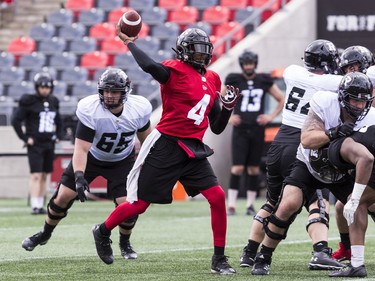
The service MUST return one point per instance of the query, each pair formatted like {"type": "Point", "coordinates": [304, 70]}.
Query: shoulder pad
{"type": "Point", "coordinates": [27, 99]}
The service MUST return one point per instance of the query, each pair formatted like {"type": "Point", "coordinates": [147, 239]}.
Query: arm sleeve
{"type": "Point", "coordinates": [218, 118]}
{"type": "Point", "coordinates": [145, 127]}
{"type": "Point", "coordinates": [157, 70]}
{"type": "Point", "coordinates": [84, 133]}
{"type": "Point", "coordinates": [17, 119]}
{"type": "Point", "coordinates": [59, 122]}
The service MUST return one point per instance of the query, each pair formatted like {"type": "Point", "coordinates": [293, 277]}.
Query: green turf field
{"type": "Point", "coordinates": [174, 242]}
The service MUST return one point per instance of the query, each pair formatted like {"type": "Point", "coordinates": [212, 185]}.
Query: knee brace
{"type": "Point", "coordinates": [63, 212]}
{"type": "Point", "coordinates": [129, 223]}
{"type": "Point", "coordinates": [268, 208]}
{"type": "Point", "coordinates": [322, 218]}
{"type": "Point", "coordinates": [321, 210]}
{"type": "Point", "coordinates": [279, 223]}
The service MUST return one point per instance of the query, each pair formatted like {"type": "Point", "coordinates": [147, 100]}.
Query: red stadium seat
{"type": "Point", "coordinates": [225, 28]}
{"type": "Point", "coordinates": [172, 4]}
{"type": "Point", "coordinates": [218, 50]}
{"type": "Point", "coordinates": [93, 61]}
{"type": "Point", "coordinates": [184, 16]}
{"type": "Point", "coordinates": [79, 5]}
{"type": "Point", "coordinates": [145, 30]}
{"type": "Point", "coordinates": [113, 46]}
{"type": "Point", "coordinates": [116, 14]}
{"type": "Point", "coordinates": [268, 12]}
{"type": "Point", "coordinates": [233, 5]}
{"type": "Point", "coordinates": [216, 15]}
{"type": "Point", "coordinates": [21, 45]}
{"type": "Point", "coordinates": [102, 30]}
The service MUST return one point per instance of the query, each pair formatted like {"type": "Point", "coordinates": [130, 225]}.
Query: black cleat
{"type": "Point", "coordinates": [246, 259]}
{"type": "Point", "coordinates": [127, 251]}
{"type": "Point", "coordinates": [38, 211]}
{"type": "Point", "coordinates": [103, 245]}
{"type": "Point", "coordinates": [250, 211]}
{"type": "Point", "coordinates": [324, 261]}
{"type": "Point", "coordinates": [349, 271]}
{"type": "Point", "coordinates": [220, 265]}
{"type": "Point", "coordinates": [37, 239]}
{"type": "Point", "coordinates": [261, 265]}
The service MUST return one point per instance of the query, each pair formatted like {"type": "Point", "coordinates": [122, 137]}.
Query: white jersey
{"type": "Point", "coordinates": [301, 85]}
{"type": "Point", "coordinates": [326, 106]}
{"type": "Point", "coordinates": [114, 137]}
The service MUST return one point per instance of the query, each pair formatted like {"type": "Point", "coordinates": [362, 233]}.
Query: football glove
{"type": "Point", "coordinates": [343, 130]}
{"type": "Point", "coordinates": [349, 210]}
{"type": "Point", "coordinates": [231, 97]}
{"type": "Point", "coordinates": [81, 185]}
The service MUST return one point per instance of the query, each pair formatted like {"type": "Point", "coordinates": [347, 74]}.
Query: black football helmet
{"type": "Point", "coordinates": [114, 79]}
{"type": "Point", "coordinates": [356, 54]}
{"type": "Point", "coordinates": [194, 47]}
{"type": "Point", "coordinates": [322, 167]}
{"type": "Point", "coordinates": [356, 86]}
{"type": "Point", "coordinates": [321, 55]}
{"type": "Point", "coordinates": [43, 79]}
{"type": "Point", "coordinates": [248, 57]}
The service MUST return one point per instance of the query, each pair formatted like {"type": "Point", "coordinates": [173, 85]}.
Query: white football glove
{"type": "Point", "coordinates": [231, 97]}
{"type": "Point", "coordinates": [349, 210]}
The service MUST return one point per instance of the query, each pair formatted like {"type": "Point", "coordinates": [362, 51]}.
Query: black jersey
{"type": "Point", "coordinates": [365, 136]}
{"type": "Point", "coordinates": [41, 117]}
{"type": "Point", "coordinates": [253, 91]}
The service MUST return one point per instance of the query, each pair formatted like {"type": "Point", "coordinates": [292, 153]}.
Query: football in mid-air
{"type": "Point", "coordinates": [131, 23]}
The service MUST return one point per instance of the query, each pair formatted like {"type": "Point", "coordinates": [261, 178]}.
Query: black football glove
{"type": "Point", "coordinates": [343, 130]}
{"type": "Point", "coordinates": [231, 97]}
{"type": "Point", "coordinates": [81, 186]}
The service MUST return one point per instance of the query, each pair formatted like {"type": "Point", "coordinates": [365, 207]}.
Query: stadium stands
{"type": "Point", "coordinates": [183, 16]}
{"type": "Point", "coordinates": [7, 105]}
{"type": "Point", "coordinates": [21, 46]}
{"type": "Point", "coordinates": [60, 17]}
{"type": "Point", "coordinates": [6, 61]}
{"type": "Point", "coordinates": [115, 14]}
{"type": "Point", "coordinates": [154, 16]}
{"type": "Point", "coordinates": [63, 60]}
{"type": "Point", "coordinates": [16, 91]}
{"type": "Point", "coordinates": [76, 42]}
{"type": "Point", "coordinates": [72, 31]}
{"type": "Point", "coordinates": [102, 30]}
{"type": "Point", "coordinates": [42, 31]}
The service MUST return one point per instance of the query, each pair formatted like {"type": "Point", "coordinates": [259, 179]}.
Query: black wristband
{"type": "Point", "coordinates": [329, 134]}
{"type": "Point", "coordinates": [78, 174]}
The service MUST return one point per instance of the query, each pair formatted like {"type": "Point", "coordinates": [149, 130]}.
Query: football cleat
{"type": "Point", "coordinates": [127, 251]}
{"type": "Point", "coordinates": [323, 261]}
{"type": "Point", "coordinates": [250, 211]}
{"type": "Point", "coordinates": [349, 271]}
{"type": "Point", "coordinates": [231, 211]}
{"type": "Point", "coordinates": [246, 259]}
{"type": "Point", "coordinates": [220, 265]}
{"type": "Point", "coordinates": [37, 239]}
{"type": "Point", "coordinates": [38, 211]}
{"type": "Point", "coordinates": [261, 265]}
{"type": "Point", "coordinates": [342, 253]}
{"type": "Point", "coordinates": [103, 245]}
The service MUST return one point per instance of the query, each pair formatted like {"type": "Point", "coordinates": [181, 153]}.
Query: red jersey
{"type": "Point", "coordinates": [187, 99]}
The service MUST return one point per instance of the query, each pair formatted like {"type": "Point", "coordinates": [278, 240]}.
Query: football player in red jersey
{"type": "Point", "coordinates": [174, 151]}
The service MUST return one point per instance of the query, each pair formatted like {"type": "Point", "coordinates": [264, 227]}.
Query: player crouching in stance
{"type": "Point", "coordinates": [330, 117]}
{"type": "Point", "coordinates": [174, 150]}
{"type": "Point", "coordinates": [104, 146]}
